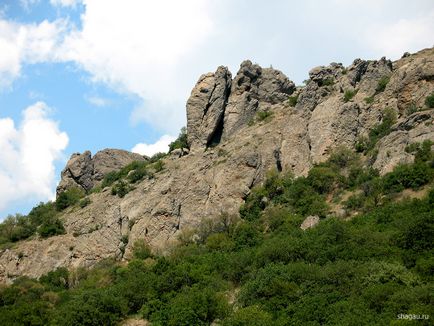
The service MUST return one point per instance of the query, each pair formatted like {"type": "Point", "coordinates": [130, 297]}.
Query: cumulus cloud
{"type": "Point", "coordinates": [27, 43]}
{"type": "Point", "coordinates": [28, 152]}
{"type": "Point", "coordinates": [137, 46]}
{"type": "Point", "coordinates": [160, 146]}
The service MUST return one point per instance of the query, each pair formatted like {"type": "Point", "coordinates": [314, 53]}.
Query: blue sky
{"type": "Point", "coordinates": [83, 74]}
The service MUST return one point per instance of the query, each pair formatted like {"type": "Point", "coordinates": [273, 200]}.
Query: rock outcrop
{"type": "Point", "coordinates": [232, 150]}
{"type": "Point", "coordinates": [85, 172]}
{"type": "Point", "coordinates": [206, 108]}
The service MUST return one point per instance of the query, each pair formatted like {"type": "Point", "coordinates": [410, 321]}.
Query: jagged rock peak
{"type": "Point", "coordinates": [206, 107]}
{"type": "Point", "coordinates": [219, 106]}
{"type": "Point", "coordinates": [84, 171]}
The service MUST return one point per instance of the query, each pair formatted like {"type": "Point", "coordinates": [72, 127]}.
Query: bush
{"type": "Point", "coordinates": [264, 115]}
{"type": "Point", "coordinates": [84, 202]}
{"type": "Point", "coordinates": [69, 198]}
{"type": "Point", "coordinates": [120, 188]}
{"type": "Point", "coordinates": [407, 176]}
{"type": "Point", "coordinates": [252, 316]}
{"type": "Point", "coordinates": [382, 129]}
{"type": "Point", "coordinates": [141, 249]}
{"type": "Point", "coordinates": [51, 227]}
{"type": "Point", "coordinates": [429, 101]}
{"type": "Point", "coordinates": [329, 81]}
{"type": "Point", "coordinates": [369, 100]}
{"type": "Point", "coordinates": [382, 83]}
{"type": "Point", "coordinates": [292, 100]}
{"type": "Point", "coordinates": [349, 94]}
{"type": "Point", "coordinates": [181, 141]}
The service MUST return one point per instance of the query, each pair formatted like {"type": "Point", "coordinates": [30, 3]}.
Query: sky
{"type": "Point", "coordinates": [80, 75]}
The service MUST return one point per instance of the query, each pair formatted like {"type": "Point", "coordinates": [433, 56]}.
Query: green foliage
{"type": "Point", "coordinates": [412, 108]}
{"type": "Point", "coordinates": [382, 83]}
{"type": "Point", "coordinates": [141, 249]}
{"type": "Point", "coordinates": [120, 188]}
{"type": "Point", "coordinates": [327, 82]}
{"type": "Point", "coordinates": [181, 141]}
{"type": "Point", "coordinates": [51, 227]}
{"type": "Point", "coordinates": [369, 100]}
{"type": "Point", "coordinates": [84, 202]}
{"type": "Point", "coordinates": [158, 166]}
{"type": "Point", "coordinates": [157, 157]}
{"type": "Point", "coordinates": [292, 100]}
{"type": "Point", "coordinates": [42, 219]}
{"type": "Point", "coordinates": [364, 144]}
{"type": "Point", "coordinates": [252, 316]}
{"type": "Point", "coordinates": [429, 101]}
{"type": "Point", "coordinates": [422, 151]}
{"type": "Point", "coordinates": [349, 94]}
{"type": "Point", "coordinates": [69, 198]}
{"type": "Point", "coordinates": [264, 115]}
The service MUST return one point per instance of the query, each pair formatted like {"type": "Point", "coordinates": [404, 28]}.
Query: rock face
{"type": "Point", "coordinates": [240, 149]}
{"type": "Point", "coordinates": [254, 89]}
{"type": "Point", "coordinates": [84, 171]}
{"type": "Point", "coordinates": [206, 107]}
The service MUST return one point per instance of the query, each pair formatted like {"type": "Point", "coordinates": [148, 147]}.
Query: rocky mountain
{"type": "Point", "coordinates": [238, 129]}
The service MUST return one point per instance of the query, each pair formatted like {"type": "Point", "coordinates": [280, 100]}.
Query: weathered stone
{"type": "Point", "coordinates": [309, 222]}
{"type": "Point", "coordinates": [253, 89]}
{"type": "Point", "coordinates": [206, 107]}
{"type": "Point", "coordinates": [84, 171]}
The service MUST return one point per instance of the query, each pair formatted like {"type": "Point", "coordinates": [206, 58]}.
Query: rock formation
{"type": "Point", "coordinates": [232, 148]}
{"type": "Point", "coordinates": [85, 172]}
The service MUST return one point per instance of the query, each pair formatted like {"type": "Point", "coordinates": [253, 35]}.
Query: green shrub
{"type": "Point", "coordinates": [369, 100]}
{"type": "Point", "coordinates": [252, 316]}
{"type": "Point", "coordinates": [382, 83]}
{"type": "Point", "coordinates": [412, 108]}
{"type": "Point", "coordinates": [263, 115]}
{"type": "Point", "coordinates": [69, 198]}
{"type": "Point", "coordinates": [329, 81]}
{"type": "Point", "coordinates": [158, 166]}
{"type": "Point", "coordinates": [382, 129]}
{"type": "Point", "coordinates": [349, 94]}
{"type": "Point", "coordinates": [120, 188]}
{"type": "Point", "coordinates": [407, 176]}
{"type": "Point", "coordinates": [156, 157]}
{"type": "Point", "coordinates": [141, 249]}
{"type": "Point", "coordinates": [181, 141]}
{"type": "Point", "coordinates": [292, 100]}
{"type": "Point", "coordinates": [109, 179]}
{"type": "Point", "coordinates": [429, 101]}
{"type": "Point", "coordinates": [84, 202]}
{"type": "Point", "coordinates": [51, 227]}
{"type": "Point", "coordinates": [219, 242]}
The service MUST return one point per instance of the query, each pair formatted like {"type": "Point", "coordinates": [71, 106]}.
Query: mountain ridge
{"type": "Point", "coordinates": [238, 129]}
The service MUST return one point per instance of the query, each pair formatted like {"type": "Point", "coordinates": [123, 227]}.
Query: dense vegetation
{"type": "Point", "coordinates": [263, 269]}
{"type": "Point", "coordinates": [43, 220]}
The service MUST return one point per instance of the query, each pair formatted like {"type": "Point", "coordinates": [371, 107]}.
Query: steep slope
{"type": "Point", "coordinates": [238, 130]}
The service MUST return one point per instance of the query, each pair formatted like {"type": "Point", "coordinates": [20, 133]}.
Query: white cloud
{"type": "Point", "coordinates": [137, 47]}
{"type": "Point", "coordinates": [64, 3]}
{"type": "Point", "coordinates": [26, 43]}
{"type": "Point", "coordinates": [404, 35]}
{"type": "Point", "coordinates": [28, 153]}
{"type": "Point", "coordinates": [160, 146]}
{"type": "Point", "coordinates": [98, 101]}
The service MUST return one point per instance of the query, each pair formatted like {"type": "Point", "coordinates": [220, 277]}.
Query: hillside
{"type": "Point", "coordinates": [237, 131]}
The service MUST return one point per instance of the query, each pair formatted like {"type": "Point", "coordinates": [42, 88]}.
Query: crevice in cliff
{"type": "Point", "coordinates": [216, 137]}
